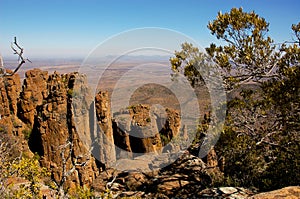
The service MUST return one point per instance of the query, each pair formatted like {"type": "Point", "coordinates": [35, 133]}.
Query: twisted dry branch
{"type": "Point", "coordinates": [18, 50]}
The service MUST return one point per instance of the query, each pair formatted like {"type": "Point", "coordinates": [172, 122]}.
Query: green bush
{"type": "Point", "coordinates": [27, 133]}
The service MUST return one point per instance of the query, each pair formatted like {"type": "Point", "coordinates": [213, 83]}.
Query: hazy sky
{"type": "Point", "coordinates": [61, 28]}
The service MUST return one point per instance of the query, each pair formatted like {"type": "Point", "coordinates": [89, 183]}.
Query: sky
{"type": "Point", "coordinates": [73, 28]}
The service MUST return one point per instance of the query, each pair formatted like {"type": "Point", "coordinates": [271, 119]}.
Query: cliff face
{"type": "Point", "coordinates": [12, 129]}
{"type": "Point", "coordinates": [10, 88]}
{"type": "Point", "coordinates": [45, 117]}
{"type": "Point", "coordinates": [104, 133]}
{"type": "Point", "coordinates": [53, 115]}
{"type": "Point", "coordinates": [55, 135]}
{"type": "Point", "coordinates": [144, 129]}
{"type": "Point", "coordinates": [34, 90]}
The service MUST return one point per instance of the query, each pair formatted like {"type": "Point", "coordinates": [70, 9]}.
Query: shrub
{"type": "Point", "coordinates": [27, 133]}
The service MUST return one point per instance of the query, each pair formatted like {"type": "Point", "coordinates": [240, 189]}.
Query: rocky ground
{"type": "Point", "coordinates": [75, 134]}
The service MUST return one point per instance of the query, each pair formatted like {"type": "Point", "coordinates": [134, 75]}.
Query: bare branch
{"type": "Point", "coordinates": [1, 62]}
{"type": "Point", "coordinates": [109, 184]}
{"type": "Point", "coordinates": [18, 50]}
{"type": "Point", "coordinates": [66, 153]}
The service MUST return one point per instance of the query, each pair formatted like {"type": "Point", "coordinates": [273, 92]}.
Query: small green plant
{"type": "Point", "coordinates": [82, 192]}
{"type": "Point", "coordinates": [15, 124]}
{"type": "Point", "coordinates": [27, 133]}
{"type": "Point", "coordinates": [70, 93]}
{"type": "Point", "coordinates": [164, 139]}
{"type": "Point", "coordinates": [30, 170]}
{"type": "Point", "coordinates": [130, 107]}
{"type": "Point", "coordinates": [107, 194]}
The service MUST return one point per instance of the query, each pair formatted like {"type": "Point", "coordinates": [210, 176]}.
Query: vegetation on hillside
{"type": "Point", "coordinates": [260, 139]}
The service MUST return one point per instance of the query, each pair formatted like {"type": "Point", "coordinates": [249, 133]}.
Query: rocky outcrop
{"type": "Point", "coordinates": [76, 137]}
{"type": "Point", "coordinates": [171, 127]}
{"type": "Point", "coordinates": [105, 138]}
{"type": "Point", "coordinates": [292, 192]}
{"type": "Point", "coordinates": [12, 129]}
{"type": "Point", "coordinates": [13, 88]}
{"type": "Point", "coordinates": [52, 114]}
{"type": "Point", "coordinates": [187, 177]}
{"type": "Point", "coordinates": [56, 135]}
{"type": "Point", "coordinates": [34, 91]}
{"type": "Point", "coordinates": [57, 113]}
{"type": "Point", "coordinates": [121, 129]}
{"type": "Point", "coordinates": [143, 129]}
{"type": "Point", "coordinates": [6, 108]}
{"type": "Point", "coordinates": [225, 192]}
{"type": "Point", "coordinates": [10, 87]}
{"type": "Point", "coordinates": [184, 178]}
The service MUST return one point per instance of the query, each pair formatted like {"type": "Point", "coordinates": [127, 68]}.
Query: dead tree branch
{"type": "Point", "coordinates": [66, 153]}
{"type": "Point", "coordinates": [18, 50]}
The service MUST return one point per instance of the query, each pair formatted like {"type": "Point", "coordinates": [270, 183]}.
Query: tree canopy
{"type": "Point", "coordinates": [260, 141]}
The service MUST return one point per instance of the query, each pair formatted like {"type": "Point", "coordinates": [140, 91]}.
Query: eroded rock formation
{"type": "Point", "coordinates": [104, 134]}
{"type": "Point", "coordinates": [76, 136]}
{"type": "Point", "coordinates": [143, 129]}
{"type": "Point", "coordinates": [12, 129]}
{"type": "Point", "coordinates": [74, 132]}
{"type": "Point", "coordinates": [56, 136]}
{"type": "Point", "coordinates": [34, 91]}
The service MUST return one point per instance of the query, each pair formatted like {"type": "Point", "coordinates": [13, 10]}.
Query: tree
{"type": "Point", "coordinates": [249, 54]}
{"type": "Point", "coordinates": [283, 92]}
{"type": "Point", "coordinates": [260, 141]}
{"type": "Point", "coordinates": [187, 62]}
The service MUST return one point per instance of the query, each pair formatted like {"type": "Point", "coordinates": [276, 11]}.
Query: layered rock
{"type": "Point", "coordinates": [13, 89]}
{"type": "Point", "coordinates": [225, 192]}
{"type": "Point", "coordinates": [10, 87]}
{"type": "Point", "coordinates": [57, 133]}
{"type": "Point", "coordinates": [34, 91]}
{"type": "Point", "coordinates": [186, 177]}
{"type": "Point", "coordinates": [171, 127]}
{"type": "Point", "coordinates": [105, 141]}
{"type": "Point", "coordinates": [143, 129]}
{"type": "Point", "coordinates": [4, 108]}
{"type": "Point", "coordinates": [121, 129]}
{"type": "Point", "coordinates": [12, 129]}
{"type": "Point", "coordinates": [59, 112]}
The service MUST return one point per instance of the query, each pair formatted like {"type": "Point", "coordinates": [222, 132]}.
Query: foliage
{"type": "Point", "coordinates": [107, 194]}
{"type": "Point", "coordinates": [24, 168]}
{"type": "Point", "coordinates": [187, 62]}
{"type": "Point", "coordinates": [283, 93]}
{"type": "Point", "coordinates": [81, 192]}
{"type": "Point", "coordinates": [249, 54]}
{"type": "Point", "coordinates": [31, 174]}
{"type": "Point", "coordinates": [260, 140]}
{"type": "Point", "coordinates": [27, 133]}
{"type": "Point", "coordinates": [30, 170]}
{"type": "Point", "coordinates": [70, 93]}
{"type": "Point", "coordinates": [164, 139]}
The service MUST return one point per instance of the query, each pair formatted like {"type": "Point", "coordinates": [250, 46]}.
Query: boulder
{"type": "Point", "coordinates": [287, 192]}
